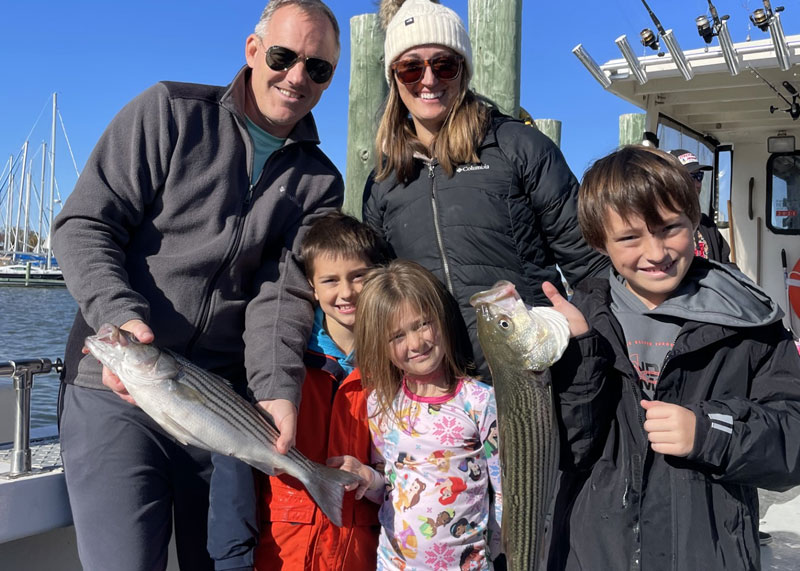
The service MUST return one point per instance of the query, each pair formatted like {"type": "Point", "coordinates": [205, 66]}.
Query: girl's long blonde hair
{"type": "Point", "coordinates": [455, 144]}
{"type": "Point", "coordinates": [386, 290]}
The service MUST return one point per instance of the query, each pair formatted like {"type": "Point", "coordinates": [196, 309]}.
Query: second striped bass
{"type": "Point", "coordinates": [197, 407]}
{"type": "Point", "coordinates": [520, 344]}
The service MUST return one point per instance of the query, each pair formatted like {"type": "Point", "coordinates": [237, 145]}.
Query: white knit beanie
{"type": "Point", "coordinates": [421, 22]}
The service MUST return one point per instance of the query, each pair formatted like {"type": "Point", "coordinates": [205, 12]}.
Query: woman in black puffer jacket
{"type": "Point", "coordinates": [471, 194]}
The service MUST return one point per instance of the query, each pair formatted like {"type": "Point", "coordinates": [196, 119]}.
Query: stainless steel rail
{"type": "Point", "coordinates": [22, 372]}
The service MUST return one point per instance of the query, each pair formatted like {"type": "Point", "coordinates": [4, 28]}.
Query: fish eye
{"type": "Point", "coordinates": [505, 323]}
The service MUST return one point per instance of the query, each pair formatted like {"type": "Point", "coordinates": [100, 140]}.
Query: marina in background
{"type": "Point", "coordinates": [27, 209]}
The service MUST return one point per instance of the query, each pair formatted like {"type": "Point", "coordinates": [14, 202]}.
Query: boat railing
{"type": "Point", "coordinates": [22, 373]}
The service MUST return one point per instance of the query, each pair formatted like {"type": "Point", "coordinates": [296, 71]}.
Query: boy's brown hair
{"type": "Point", "coordinates": [634, 181]}
{"type": "Point", "coordinates": [338, 235]}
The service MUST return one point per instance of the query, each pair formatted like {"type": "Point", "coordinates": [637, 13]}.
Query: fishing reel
{"type": "Point", "coordinates": [710, 28]}
{"type": "Point", "coordinates": [794, 107]}
{"type": "Point", "coordinates": [761, 18]}
{"type": "Point", "coordinates": [704, 28]}
{"type": "Point", "coordinates": [649, 39]}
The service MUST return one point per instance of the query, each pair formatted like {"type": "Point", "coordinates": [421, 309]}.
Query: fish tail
{"type": "Point", "coordinates": [326, 486]}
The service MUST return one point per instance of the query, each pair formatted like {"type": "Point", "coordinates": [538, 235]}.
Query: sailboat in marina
{"type": "Point", "coordinates": [26, 257]}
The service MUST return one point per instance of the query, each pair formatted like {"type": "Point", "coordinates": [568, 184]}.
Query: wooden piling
{"type": "Point", "coordinates": [495, 30]}
{"type": "Point", "coordinates": [551, 128]}
{"type": "Point", "coordinates": [367, 91]}
{"type": "Point", "coordinates": [631, 128]}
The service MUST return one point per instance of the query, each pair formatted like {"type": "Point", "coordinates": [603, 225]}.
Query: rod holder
{"type": "Point", "coordinates": [591, 65]}
{"type": "Point", "coordinates": [22, 373]}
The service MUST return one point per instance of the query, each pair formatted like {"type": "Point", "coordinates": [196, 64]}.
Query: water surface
{"type": "Point", "coordinates": [34, 323]}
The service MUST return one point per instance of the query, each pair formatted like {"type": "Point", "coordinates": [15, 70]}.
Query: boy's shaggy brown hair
{"type": "Point", "coordinates": [634, 181]}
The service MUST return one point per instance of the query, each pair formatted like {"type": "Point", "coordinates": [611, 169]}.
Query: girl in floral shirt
{"type": "Point", "coordinates": [433, 428]}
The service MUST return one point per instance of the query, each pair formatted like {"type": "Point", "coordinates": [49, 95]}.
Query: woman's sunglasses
{"type": "Point", "coordinates": [281, 59]}
{"type": "Point", "coordinates": [410, 71]}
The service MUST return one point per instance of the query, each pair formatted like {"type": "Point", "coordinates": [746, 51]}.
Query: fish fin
{"type": "Point", "coordinates": [176, 430]}
{"type": "Point", "coordinates": [326, 486]}
{"type": "Point", "coordinates": [189, 393]}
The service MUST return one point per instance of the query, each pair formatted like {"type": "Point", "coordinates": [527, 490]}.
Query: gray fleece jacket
{"type": "Point", "coordinates": [164, 226]}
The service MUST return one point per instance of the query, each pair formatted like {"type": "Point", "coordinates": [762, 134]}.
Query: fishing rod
{"type": "Point", "coordinates": [705, 28]}
{"type": "Point", "coordinates": [718, 26]}
{"type": "Point", "coordinates": [648, 38]}
{"type": "Point", "coordinates": [794, 107]}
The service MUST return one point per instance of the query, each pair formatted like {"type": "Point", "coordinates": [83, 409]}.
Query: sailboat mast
{"type": "Point", "coordinates": [52, 184]}
{"type": "Point", "coordinates": [9, 198]}
{"type": "Point", "coordinates": [41, 201]}
{"type": "Point", "coordinates": [27, 207]}
{"type": "Point", "coordinates": [19, 202]}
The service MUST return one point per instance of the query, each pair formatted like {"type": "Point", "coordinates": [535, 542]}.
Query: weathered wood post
{"type": "Point", "coordinates": [495, 30]}
{"type": "Point", "coordinates": [631, 128]}
{"type": "Point", "coordinates": [551, 128]}
{"type": "Point", "coordinates": [367, 91]}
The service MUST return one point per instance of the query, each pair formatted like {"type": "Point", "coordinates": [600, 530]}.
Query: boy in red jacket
{"type": "Point", "coordinates": [295, 534]}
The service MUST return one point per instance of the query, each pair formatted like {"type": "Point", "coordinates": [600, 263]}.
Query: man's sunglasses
{"type": "Point", "coordinates": [697, 175]}
{"type": "Point", "coordinates": [282, 59]}
{"type": "Point", "coordinates": [445, 68]}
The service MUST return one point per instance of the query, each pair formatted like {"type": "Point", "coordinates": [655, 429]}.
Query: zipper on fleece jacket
{"type": "Point", "coordinates": [226, 260]}
{"type": "Point", "coordinates": [437, 229]}
{"type": "Point", "coordinates": [237, 237]}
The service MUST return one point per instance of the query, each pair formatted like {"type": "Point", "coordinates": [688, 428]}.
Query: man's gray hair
{"type": "Point", "coordinates": [308, 6]}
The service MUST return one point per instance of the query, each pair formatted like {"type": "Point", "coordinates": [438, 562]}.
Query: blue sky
{"type": "Point", "coordinates": [97, 55]}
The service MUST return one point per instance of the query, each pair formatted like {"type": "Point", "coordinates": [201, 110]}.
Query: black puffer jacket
{"type": "Point", "coordinates": [512, 216]}
{"type": "Point", "coordinates": [622, 506]}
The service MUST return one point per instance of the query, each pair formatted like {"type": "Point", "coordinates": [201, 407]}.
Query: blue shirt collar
{"type": "Point", "coordinates": [321, 342]}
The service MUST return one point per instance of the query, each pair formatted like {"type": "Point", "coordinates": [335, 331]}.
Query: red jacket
{"type": "Point", "coordinates": [295, 534]}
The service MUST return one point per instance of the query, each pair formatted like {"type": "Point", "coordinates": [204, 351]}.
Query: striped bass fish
{"type": "Point", "coordinates": [519, 344]}
{"type": "Point", "coordinates": [199, 408]}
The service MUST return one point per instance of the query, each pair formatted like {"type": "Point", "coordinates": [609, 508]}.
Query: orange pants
{"type": "Point", "coordinates": [318, 546]}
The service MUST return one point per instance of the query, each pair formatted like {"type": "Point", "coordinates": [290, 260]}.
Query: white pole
{"type": "Point", "coordinates": [9, 198]}
{"type": "Point", "coordinates": [41, 202]}
{"type": "Point", "coordinates": [27, 207]}
{"type": "Point", "coordinates": [52, 184]}
{"type": "Point", "coordinates": [19, 202]}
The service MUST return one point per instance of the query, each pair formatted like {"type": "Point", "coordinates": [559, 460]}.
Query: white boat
{"type": "Point", "coordinates": [747, 126]}
{"type": "Point", "coordinates": [30, 275]}
{"type": "Point", "coordinates": [36, 530]}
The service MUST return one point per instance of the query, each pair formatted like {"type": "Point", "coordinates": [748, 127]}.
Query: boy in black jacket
{"type": "Point", "coordinates": [679, 393]}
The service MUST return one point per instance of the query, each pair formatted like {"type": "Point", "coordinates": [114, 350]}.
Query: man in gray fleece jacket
{"type": "Point", "coordinates": [182, 229]}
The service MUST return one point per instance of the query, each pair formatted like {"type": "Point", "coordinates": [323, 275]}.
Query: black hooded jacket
{"type": "Point", "coordinates": [512, 216]}
{"type": "Point", "coordinates": [623, 506]}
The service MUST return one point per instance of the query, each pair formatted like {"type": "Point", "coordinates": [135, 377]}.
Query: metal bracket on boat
{"type": "Point", "coordinates": [22, 373]}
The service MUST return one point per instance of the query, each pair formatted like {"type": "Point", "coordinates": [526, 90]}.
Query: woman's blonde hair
{"type": "Point", "coordinates": [387, 290]}
{"type": "Point", "coordinates": [455, 144]}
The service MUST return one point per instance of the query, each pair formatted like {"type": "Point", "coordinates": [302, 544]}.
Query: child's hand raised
{"type": "Point", "coordinates": [670, 427]}
{"type": "Point", "coordinates": [369, 479]}
{"type": "Point", "coordinates": [577, 323]}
